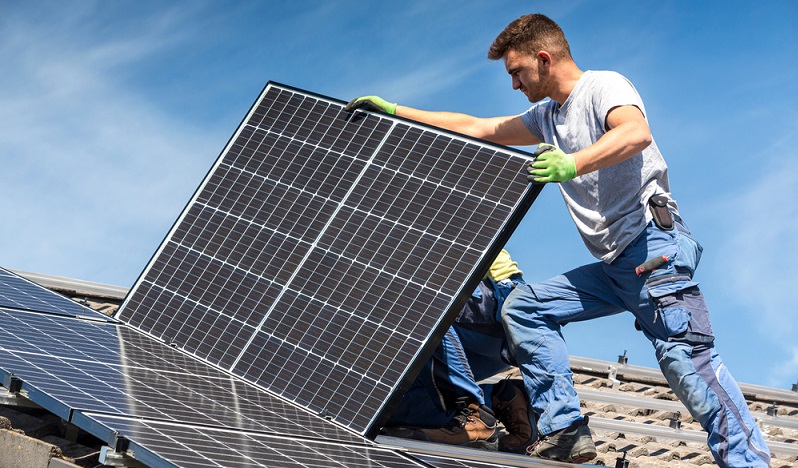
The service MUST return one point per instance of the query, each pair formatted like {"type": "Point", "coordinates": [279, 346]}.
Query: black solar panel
{"type": "Point", "coordinates": [162, 444]}
{"type": "Point", "coordinates": [71, 365]}
{"type": "Point", "coordinates": [19, 293]}
{"type": "Point", "coordinates": [321, 254]}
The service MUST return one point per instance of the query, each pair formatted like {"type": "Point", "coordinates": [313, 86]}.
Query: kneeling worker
{"type": "Point", "coordinates": [445, 404]}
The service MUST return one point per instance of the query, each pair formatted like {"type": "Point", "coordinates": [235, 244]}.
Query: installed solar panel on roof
{"type": "Point", "coordinates": [162, 444]}
{"type": "Point", "coordinates": [322, 251]}
{"type": "Point", "coordinates": [17, 292]}
{"type": "Point", "coordinates": [72, 365]}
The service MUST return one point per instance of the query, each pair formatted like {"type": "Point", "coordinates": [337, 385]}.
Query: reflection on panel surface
{"type": "Point", "coordinates": [19, 293]}
{"type": "Point", "coordinates": [114, 369]}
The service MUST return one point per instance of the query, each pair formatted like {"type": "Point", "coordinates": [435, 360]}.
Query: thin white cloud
{"type": "Point", "coordinates": [759, 264]}
{"type": "Point", "coordinates": [763, 263]}
{"type": "Point", "coordinates": [88, 160]}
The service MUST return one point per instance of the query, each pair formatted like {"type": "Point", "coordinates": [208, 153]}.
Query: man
{"type": "Point", "coordinates": [594, 140]}
{"type": "Point", "coordinates": [445, 404]}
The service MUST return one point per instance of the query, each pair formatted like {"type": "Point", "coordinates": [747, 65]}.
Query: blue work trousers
{"type": "Point", "coordinates": [670, 310]}
{"type": "Point", "coordinates": [464, 357]}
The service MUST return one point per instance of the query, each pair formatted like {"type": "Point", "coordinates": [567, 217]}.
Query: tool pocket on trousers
{"type": "Point", "coordinates": [674, 317]}
{"type": "Point", "coordinates": [682, 312]}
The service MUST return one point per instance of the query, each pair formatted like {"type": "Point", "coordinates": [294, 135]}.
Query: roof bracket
{"type": "Point", "coordinates": [773, 410]}
{"type": "Point", "coordinates": [612, 374]}
{"type": "Point", "coordinates": [12, 383]}
{"type": "Point", "coordinates": [676, 423]}
{"type": "Point", "coordinates": [111, 457]}
{"type": "Point", "coordinates": [622, 359]}
{"type": "Point", "coordinates": [622, 462]}
{"type": "Point", "coordinates": [11, 393]}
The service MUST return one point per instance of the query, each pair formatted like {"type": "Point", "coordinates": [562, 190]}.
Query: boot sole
{"type": "Point", "coordinates": [582, 459]}
{"type": "Point", "coordinates": [579, 457]}
{"type": "Point", "coordinates": [483, 445]}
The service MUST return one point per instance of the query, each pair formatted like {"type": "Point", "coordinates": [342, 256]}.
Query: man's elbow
{"type": "Point", "coordinates": [641, 138]}
{"type": "Point", "coordinates": [645, 140]}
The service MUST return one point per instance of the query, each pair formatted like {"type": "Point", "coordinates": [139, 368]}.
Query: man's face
{"type": "Point", "coordinates": [525, 73]}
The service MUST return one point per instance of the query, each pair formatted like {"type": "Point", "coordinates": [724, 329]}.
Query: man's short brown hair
{"type": "Point", "coordinates": [530, 34]}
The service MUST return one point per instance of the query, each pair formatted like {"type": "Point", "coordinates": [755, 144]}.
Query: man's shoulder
{"type": "Point", "coordinates": [603, 75]}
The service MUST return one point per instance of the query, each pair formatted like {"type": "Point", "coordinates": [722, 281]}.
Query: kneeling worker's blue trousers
{"type": "Point", "coordinates": [670, 310]}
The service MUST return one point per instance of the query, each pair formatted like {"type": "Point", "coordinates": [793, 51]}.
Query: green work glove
{"type": "Point", "coordinates": [551, 164]}
{"type": "Point", "coordinates": [372, 103]}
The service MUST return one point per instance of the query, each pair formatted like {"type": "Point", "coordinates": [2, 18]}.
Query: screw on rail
{"type": "Point", "coordinates": [622, 462]}
{"type": "Point", "coordinates": [676, 423]}
{"type": "Point", "coordinates": [773, 410]}
{"type": "Point", "coordinates": [622, 359]}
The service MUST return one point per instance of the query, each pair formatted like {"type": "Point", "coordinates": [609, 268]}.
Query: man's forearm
{"type": "Point", "coordinates": [509, 130]}
{"type": "Point", "coordinates": [461, 123]}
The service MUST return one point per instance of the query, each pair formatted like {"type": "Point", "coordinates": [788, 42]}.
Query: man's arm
{"type": "Point", "coordinates": [509, 130]}
{"type": "Point", "coordinates": [628, 135]}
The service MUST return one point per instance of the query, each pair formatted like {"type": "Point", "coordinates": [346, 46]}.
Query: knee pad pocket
{"type": "Point", "coordinates": [681, 310]}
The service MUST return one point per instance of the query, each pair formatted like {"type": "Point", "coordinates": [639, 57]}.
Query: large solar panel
{"type": "Point", "coordinates": [17, 292]}
{"type": "Point", "coordinates": [161, 444]}
{"type": "Point", "coordinates": [326, 252]}
{"type": "Point", "coordinates": [170, 409]}
{"type": "Point", "coordinates": [68, 365]}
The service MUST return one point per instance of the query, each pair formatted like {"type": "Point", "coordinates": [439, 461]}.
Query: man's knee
{"type": "Point", "coordinates": [687, 373]}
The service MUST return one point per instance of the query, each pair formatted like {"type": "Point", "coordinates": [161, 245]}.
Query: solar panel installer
{"type": "Point", "coordinates": [445, 404]}
{"type": "Point", "coordinates": [595, 143]}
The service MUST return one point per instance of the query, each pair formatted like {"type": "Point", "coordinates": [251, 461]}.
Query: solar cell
{"type": "Point", "coordinates": [326, 252]}
{"type": "Point", "coordinates": [17, 292]}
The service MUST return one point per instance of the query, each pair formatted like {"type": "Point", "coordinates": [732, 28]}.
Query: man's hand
{"type": "Point", "coordinates": [372, 103]}
{"type": "Point", "coordinates": [551, 164]}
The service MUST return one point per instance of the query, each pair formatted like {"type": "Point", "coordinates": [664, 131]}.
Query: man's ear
{"type": "Point", "coordinates": [544, 57]}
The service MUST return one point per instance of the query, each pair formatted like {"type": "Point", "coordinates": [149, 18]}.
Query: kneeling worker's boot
{"type": "Point", "coordinates": [513, 410]}
{"type": "Point", "coordinates": [473, 426]}
{"type": "Point", "coordinates": [573, 444]}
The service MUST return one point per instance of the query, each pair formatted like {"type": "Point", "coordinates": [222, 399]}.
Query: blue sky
{"type": "Point", "coordinates": [111, 113]}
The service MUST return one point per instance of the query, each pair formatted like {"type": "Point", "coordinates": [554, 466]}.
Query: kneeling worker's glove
{"type": "Point", "coordinates": [551, 164]}
{"type": "Point", "coordinates": [372, 103]}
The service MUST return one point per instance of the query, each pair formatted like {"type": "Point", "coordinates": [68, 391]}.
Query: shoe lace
{"type": "Point", "coordinates": [463, 417]}
{"type": "Point", "coordinates": [505, 414]}
{"type": "Point", "coordinates": [530, 449]}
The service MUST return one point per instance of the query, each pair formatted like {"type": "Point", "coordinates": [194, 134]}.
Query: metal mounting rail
{"type": "Point", "coordinates": [599, 365]}
{"type": "Point", "coordinates": [635, 401]}
{"type": "Point", "coordinates": [625, 369]}
{"type": "Point", "coordinates": [492, 458]}
{"type": "Point", "coordinates": [630, 427]}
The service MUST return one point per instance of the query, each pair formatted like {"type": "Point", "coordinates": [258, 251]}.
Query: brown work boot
{"type": "Point", "coordinates": [573, 444]}
{"type": "Point", "coordinates": [512, 408]}
{"type": "Point", "coordinates": [473, 426]}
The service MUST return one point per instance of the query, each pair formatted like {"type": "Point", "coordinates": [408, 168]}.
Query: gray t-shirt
{"type": "Point", "coordinates": [608, 205]}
